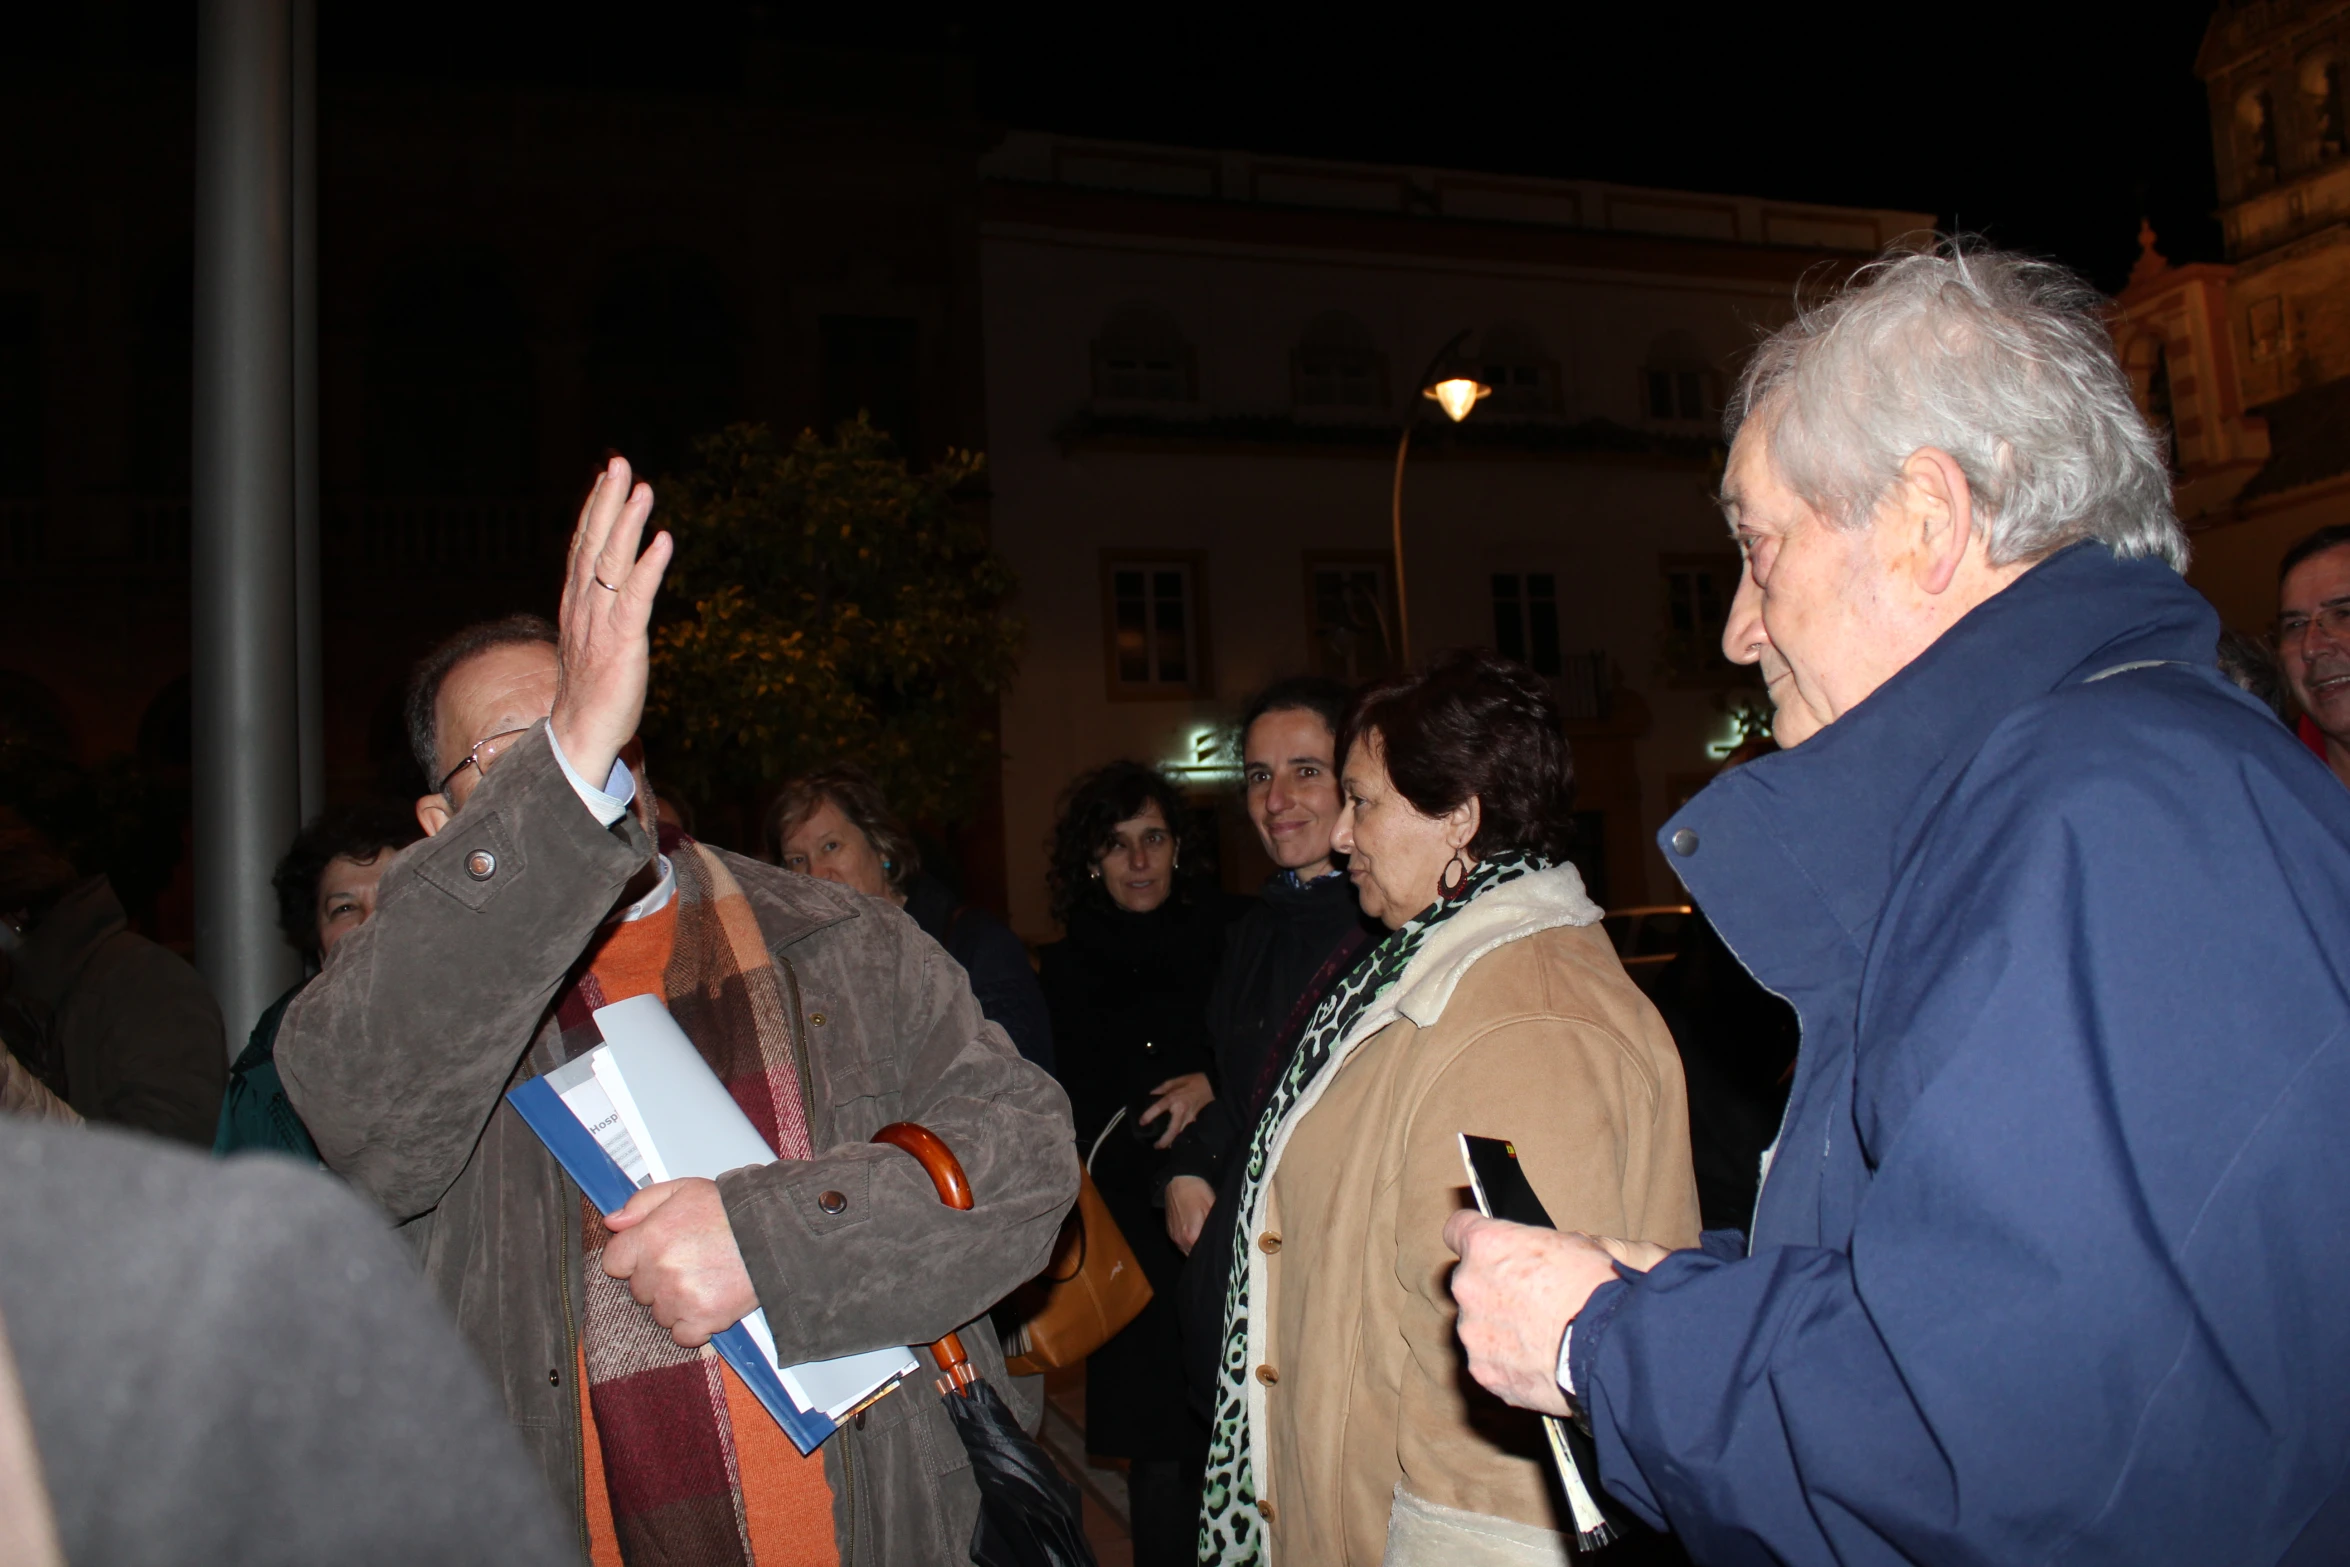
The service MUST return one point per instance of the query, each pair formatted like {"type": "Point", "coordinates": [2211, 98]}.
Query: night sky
{"type": "Point", "coordinates": [2049, 126]}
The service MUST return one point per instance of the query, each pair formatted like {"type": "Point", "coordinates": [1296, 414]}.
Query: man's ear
{"type": "Point", "coordinates": [1941, 510]}
{"type": "Point", "coordinates": [432, 813]}
{"type": "Point", "coordinates": [1461, 824]}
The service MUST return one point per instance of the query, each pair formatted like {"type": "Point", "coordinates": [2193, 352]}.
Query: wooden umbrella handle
{"type": "Point", "coordinates": [954, 1189]}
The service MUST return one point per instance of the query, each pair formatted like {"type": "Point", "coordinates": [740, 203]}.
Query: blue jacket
{"type": "Point", "coordinates": [2052, 1262]}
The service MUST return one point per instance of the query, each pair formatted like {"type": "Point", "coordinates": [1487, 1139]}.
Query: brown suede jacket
{"type": "Point", "coordinates": [399, 1055]}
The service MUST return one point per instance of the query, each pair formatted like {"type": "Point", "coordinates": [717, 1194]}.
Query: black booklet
{"type": "Point", "coordinates": [1502, 1191]}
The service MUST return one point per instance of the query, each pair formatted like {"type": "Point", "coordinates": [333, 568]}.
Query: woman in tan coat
{"type": "Point", "coordinates": [1347, 1430]}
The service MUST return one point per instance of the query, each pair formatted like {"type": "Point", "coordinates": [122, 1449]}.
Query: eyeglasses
{"type": "Point", "coordinates": [2332, 618]}
{"type": "Point", "coordinates": [481, 755]}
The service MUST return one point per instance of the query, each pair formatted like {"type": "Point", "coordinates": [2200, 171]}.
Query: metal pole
{"type": "Point", "coordinates": [309, 656]}
{"type": "Point", "coordinates": [247, 766]}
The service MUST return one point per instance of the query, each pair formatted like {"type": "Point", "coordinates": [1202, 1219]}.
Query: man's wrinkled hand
{"type": "Point", "coordinates": [674, 1249]}
{"type": "Point", "coordinates": [1518, 1288]}
{"type": "Point", "coordinates": [605, 650]}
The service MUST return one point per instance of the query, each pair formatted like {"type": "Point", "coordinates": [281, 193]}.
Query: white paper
{"type": "Point", "coordinates": [587, 1099]}
{"type": "Point", "coordinates": [665, 1097]}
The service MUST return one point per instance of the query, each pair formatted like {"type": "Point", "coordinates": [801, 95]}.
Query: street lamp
{"type": "Point", "coordinates": [1457, 394]}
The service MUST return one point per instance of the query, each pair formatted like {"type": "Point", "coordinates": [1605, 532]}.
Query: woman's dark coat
{"type": "Point", "coordinates": [1129, 997]}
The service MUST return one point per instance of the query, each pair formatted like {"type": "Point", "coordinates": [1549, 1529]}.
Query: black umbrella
{"type": "Point", "coordinates": [1030, 1514]}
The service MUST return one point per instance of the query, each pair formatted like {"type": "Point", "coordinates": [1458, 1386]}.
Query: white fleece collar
{"type": "Point", "coordinates": [1541, 901]}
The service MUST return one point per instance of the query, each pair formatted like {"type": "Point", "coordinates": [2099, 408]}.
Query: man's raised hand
{"type": "Point", "coordinates": [607, 606]}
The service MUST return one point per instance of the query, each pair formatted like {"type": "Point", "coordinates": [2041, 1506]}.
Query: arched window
{"type": "Point", "coordinates": [662, 363]}
{"type": "Point", "coordinates": [1524, 378]}
{"type": "Point", "coordinates": [1142, 357]}
{"type": "Point", "coordinates": [450, 400]}
{"type": "Point", "coordinates": [1337, 365]}
{"type": "Point", "coordinates": [2256, 135]}
{"type": "Point", "coordinates": [1678, 384]}
{"type": "Point", "coordinates": [2322, 104]}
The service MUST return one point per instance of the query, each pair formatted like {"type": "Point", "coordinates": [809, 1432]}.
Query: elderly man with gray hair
{"type": "Point", "coordinates": [2051, 1255]}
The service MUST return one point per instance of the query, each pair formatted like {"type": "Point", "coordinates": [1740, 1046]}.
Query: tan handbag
{"type": "Point", "coordinates": [1092, 1288]}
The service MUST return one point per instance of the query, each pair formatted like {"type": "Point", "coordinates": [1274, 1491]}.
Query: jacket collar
{"type": "Point", "coordinates": [1541, 901]}
{"type": "Point", "coordinates": [1794, 855]}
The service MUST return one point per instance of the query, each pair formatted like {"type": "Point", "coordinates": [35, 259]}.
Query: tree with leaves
{"type": "Point", "coordinates": [827, 603]}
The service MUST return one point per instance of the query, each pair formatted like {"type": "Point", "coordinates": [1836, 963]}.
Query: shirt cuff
{"type": "Point", "coordinates": [607, 804]}
{"type": "Point", "coordinates": [1565, 1372]}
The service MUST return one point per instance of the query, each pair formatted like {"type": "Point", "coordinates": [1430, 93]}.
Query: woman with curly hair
{"type": "Point", "coordinates": [1347, 1429]}
{"type": "Point", "coordinates": [1128, 987]}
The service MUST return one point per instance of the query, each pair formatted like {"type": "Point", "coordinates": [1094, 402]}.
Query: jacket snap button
{"type": "Point", "coordinates": [859, 1421]}
{"type": "Point", "coordinates": [1685, 842]}
{"type": "Point", "coordinates": [1268, 1243]}
{"type": "Point", "coordinates": [831, 1202]}
{"type": "Point", "coordinates": [554, 1377]}
{"type": "Point", "coordinates": [816, 1018]}
{"type": "Point", "coordinates": [1264, 1509]}
{"type": "Point", "coordinates": [1267, 1375]}
{"type": "Point", "coordinates": [481, 865]}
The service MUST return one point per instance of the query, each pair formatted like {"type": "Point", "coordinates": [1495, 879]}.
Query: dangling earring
{"type": "Point", "coordinates": [1447, 884]}
{"type": "Point", "coordinates": [1095, 873]}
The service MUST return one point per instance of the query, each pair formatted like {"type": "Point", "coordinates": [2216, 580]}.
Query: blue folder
{"type": "Point", "coordinates": [585, 1161]}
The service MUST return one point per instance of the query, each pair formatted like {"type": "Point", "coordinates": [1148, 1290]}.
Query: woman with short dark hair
{"type": "Point", "coordinates": [1347, 1428]}
{"type": "Point", "coordinates": [1129, 988]}
{"type": "Point", "coordinates": [836, 825]}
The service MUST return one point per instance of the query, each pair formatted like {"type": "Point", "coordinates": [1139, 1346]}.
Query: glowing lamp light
{"type": "Point", "coordinates": [1457, 395]}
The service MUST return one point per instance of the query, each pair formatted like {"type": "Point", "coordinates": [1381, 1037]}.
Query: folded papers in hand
{"type": "Point", "coordinates": [644, 1106]}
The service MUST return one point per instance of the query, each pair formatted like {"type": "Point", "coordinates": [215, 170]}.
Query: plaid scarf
{"type": "Point", "coordinates": [1231, 1532]}
{"type": "Point", "coordinates": [660, 1411]}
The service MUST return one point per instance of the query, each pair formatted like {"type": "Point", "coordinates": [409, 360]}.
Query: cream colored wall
{"type": "Point", "coordinates": [1599, 523]}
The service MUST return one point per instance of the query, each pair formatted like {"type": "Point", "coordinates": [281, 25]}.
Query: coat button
{"type": "Point", "coordinates": [554, 1377]}
{"type": "Point", "coordinates": [1268, 1243]}
{"type": "Point", "coordinates": [1685, 842]}
{"type": "Point", "coordinates": [831, 1202]}
{"type": "Point", "coordinates": [816, 1018]}
{"type": "Point", "coordinates": [1264, 1509]}
{"type": "Point", "coordinates": [481, 865]}
{"type": "Point", "coordinates": [1267, 1375]}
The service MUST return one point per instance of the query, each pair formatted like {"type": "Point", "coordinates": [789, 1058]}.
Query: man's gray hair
{"type": "Point", "coordinates": [2001, 361]}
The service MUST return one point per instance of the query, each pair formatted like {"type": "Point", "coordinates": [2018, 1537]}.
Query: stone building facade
{"type": "Point", "coordinates": [1197, 367]}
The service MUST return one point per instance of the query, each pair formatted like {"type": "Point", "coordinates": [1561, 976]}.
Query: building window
{"type": "Point", "coordinates": [1526, 618]}
{"type": "Point", "coordinates": [1523, 376]}
{"type": "Point", "coordinates": [2256, 135]}
{"type": "Point", "coordinates": [2264, 322]}
{"type": "Point", "coordinates": [1697, 594]}
{"type": "Point", "coordinates": [1350, 613]}
{"type": "Point", "coordinates": [1337, 365]}
{"type": "Point", "coordinates": [1154, 616]}
{"type": "Point", "coordinates": [2322, 101]}
{"type": "Point", "coordinates": [871, 368]}
{"type": "Point", "coordinates": [1142, 357]}
{"type": "Point", "coordinates": [1678, 385]}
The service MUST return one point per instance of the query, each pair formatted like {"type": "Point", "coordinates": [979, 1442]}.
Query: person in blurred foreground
{"type": "Point", "coordinates": [2048, 1262]}
{"type": "Point", "coordinates": [1496, 1006]}
{"type": "Point", "coordinates": [538, 896]}
{"type": "Point", "coordinates": [235, 1366]}
{"type": "Point", "coordinates": [326, 888]}
{"type": "Point", "coordinates": [834, 824]}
